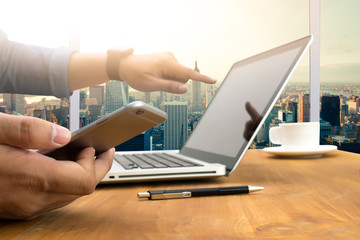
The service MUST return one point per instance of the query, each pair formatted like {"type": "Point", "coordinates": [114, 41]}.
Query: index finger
{"type": "Point", "coordinates": [252, 111]}
{"type": "Point", "coordinates": [196, 76]}
{"type": "Point", "coordinates": [182, 73]}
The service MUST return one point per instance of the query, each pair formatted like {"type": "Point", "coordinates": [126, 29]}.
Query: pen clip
{"type": "Point", "coordinates": [171, 195]}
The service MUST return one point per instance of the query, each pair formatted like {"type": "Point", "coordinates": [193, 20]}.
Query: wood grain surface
{"type": "Point", "coordinates": [303, 199]}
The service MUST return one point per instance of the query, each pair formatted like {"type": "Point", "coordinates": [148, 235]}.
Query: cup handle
{"type": "Point", "coordinates": [274, 135]}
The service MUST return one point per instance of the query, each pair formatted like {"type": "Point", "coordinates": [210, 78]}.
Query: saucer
{"type": "Point", "coordinates": [313, 152]}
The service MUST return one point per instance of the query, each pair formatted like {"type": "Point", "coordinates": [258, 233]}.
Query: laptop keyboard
{"type": "Point", "coordinates": [152, 160]}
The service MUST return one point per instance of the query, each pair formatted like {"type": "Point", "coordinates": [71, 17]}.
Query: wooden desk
{"type": "Point", "coordinates": [303, 199]}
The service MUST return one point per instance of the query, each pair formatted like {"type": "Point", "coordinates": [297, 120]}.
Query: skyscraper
{"type": "Point", "coordinates": [344, 112]}
{"type": "Point", "coordinates": [140, 142]}
{"type": "Point", "coordinates": [293, 107]}
{"type": "Point", "coordinates": [15, 103]}
{"type": "Point", "coordinates": [353, 106]}
{"type": "Point", "coordinates": [7, 101]}
{"type": "Point", "coordinates": [83, 96]}
{"type": "Point", "coordinates": [97, 92]}
{"type": "Point", "coordinates": [147, 97]}
{"type": "Point", "coordinates": [116, 95]}
{"type": "Point", "coordinates": [94, 112]}
{"type": "Point", "coordinates": [304, 108]}
{"type": "Point", "coordinates": [196, 101]}
{"type": "Point", "coordinates": [330, 109]}
{"type": "Point", "coordinates": [62, 115]}
{"type": "Point", "coordinates": [175, 127]}
{"type": "Point", "coordinates": [286, 116]}
{"type": "Point", "coordinates": [210, 93]}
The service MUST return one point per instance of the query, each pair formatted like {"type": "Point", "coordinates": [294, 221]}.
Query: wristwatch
{"type": "Point", "coordinates": [114, 56]}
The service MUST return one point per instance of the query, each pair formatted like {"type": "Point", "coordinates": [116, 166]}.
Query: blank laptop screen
{"type": "Point", "coordinates": [219, 135]}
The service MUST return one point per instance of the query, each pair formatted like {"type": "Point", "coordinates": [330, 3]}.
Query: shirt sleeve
{"type": "Point", "coordinates": [34, 70]}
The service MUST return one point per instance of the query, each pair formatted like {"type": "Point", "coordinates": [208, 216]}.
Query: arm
{"type": "Point", "coordinates": [27, 69]}
{"type": "Point", "coordinates": [152, 72]}
{"type": "Point", "coordinates": [43, 71]}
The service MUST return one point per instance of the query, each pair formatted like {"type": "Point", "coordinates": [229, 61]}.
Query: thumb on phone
{"type": "Point", "coordinates": [32, 133]}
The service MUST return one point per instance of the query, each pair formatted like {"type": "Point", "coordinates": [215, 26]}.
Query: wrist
{"type": "Point", "coordinates": [114, 57]}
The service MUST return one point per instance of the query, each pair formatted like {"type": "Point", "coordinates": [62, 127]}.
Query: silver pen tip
{"type": "Point", "coordinates": [144, 195]}
{"type": "Point", "coordinates": [255, 188]}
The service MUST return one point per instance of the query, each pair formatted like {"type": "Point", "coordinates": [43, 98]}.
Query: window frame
{"type": "Point", "coordinates": [74, 99]}
{"type": "Point", "coordinates": [314, 60]}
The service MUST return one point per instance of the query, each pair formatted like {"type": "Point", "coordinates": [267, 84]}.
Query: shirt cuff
{"type": "Point", "coordinates": [58, 72]}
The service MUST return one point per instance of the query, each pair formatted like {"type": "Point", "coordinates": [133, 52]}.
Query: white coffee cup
{"type": "Point", "coordinates": [296, 136]}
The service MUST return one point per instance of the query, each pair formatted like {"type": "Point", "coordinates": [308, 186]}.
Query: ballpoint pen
{"type": "Point", "coordinates": [199, 192]}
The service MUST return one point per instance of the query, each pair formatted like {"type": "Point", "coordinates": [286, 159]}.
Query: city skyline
{"type": "Point", "coordinates": [340, 114]}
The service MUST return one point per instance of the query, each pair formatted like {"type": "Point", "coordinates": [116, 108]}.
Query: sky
{"type": "Point", "coordinates": [340, 38]}
{"type": "Point", "coordinates": [215, 32]}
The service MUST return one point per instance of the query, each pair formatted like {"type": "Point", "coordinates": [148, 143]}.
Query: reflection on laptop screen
{"type": "Point", "coordinates": [257, 80]}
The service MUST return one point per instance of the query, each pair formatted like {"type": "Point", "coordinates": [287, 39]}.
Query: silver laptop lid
{"type": "Point", "coordinates": [218, 137]}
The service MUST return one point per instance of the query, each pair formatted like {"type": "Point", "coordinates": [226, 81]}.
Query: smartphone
{"type": "Point", "coordinates": [110, 130]}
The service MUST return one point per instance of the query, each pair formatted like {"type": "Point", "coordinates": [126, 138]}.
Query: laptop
{"type": "Point", "coordinates": [217, 145]}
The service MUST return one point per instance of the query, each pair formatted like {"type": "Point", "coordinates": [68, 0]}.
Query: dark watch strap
{"type": "Point", "coordinates": [114, 56]}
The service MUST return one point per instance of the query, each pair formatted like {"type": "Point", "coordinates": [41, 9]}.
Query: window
{"type": "Point", "coordinates": [206, 35]}
{"type": "Point", "coordinates": [340, 74]}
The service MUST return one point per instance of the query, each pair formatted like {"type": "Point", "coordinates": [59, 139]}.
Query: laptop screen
{"type": "Point", "coordinates": [259, 80]}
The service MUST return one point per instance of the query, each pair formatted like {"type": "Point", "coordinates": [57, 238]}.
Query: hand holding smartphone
{"type": "Point", "coordinates": [111, 130]}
